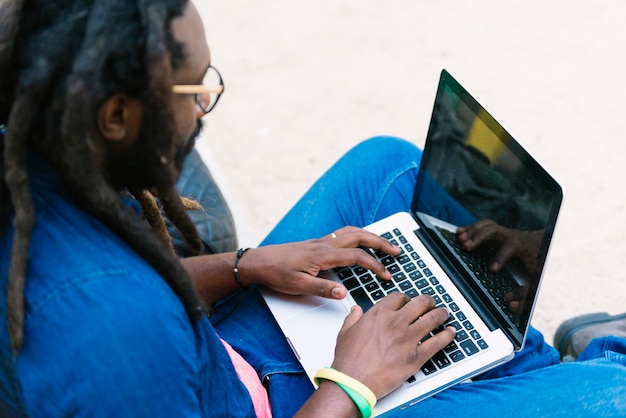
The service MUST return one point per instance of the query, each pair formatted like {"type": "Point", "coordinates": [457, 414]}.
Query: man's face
{"type": "Point", "coordinates": [133, 165]}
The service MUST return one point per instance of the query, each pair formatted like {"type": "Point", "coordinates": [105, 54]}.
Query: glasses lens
{"type": "Point", "coordinates": [213, 81]}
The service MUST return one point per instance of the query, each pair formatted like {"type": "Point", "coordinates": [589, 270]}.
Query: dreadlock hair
{"type": "Point", "coordinates": [59, 61]}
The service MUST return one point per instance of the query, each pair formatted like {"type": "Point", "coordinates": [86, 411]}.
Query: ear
{"type": "Point", "coordinates": [119, 120]}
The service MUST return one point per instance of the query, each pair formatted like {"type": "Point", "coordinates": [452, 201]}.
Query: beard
{"type": "Point", "coordinates": [155, 160]}
{"type": "Point", "coordinates": [181, 153]}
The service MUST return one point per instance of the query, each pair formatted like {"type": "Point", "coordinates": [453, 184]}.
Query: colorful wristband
{"type": "Point", "coordinates": [344, 381]}
{"type": "Point", "coordinates": [358, 399]}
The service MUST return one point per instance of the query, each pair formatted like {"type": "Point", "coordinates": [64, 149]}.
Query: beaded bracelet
{"type": "Point", "coordinates": [361, 395]}
{"type": "Point", "coordinates": [236, 269]}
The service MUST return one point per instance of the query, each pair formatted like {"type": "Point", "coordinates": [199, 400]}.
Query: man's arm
{"type": "Point", "coordinates": [289, 268]}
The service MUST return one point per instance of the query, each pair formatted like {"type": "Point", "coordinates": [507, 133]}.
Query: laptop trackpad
{"type": "Point", "coordinates": [313, 334]}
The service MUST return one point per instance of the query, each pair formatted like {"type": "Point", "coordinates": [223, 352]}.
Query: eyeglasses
{"type": "Point", "coordinates": [208, 93]}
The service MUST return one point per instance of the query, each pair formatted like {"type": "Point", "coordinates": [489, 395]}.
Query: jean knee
{"type": "Point", "coordinates": [378, 149]}
{"type": "Point", "coordinates": [392, 146]}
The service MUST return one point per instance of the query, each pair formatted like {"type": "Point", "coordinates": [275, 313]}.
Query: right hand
{"type": "Point", "coordinates": [382, 349]}
{"type": "Point", "coordinates": [294, 268]}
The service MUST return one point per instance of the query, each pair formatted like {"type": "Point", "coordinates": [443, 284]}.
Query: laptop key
{"type": "Point", "coordinates": [429, 368]}
{"type": "Point", "coordinates": [409, 267]}
{"type": "Point", "coordinates": [344, 274]}
{"type": "Point", "coordinates": [393, 268]}
{"type": "Point", "coordinates": [387, 284]}
{"type": "Point", "coordinates": [403, 259]}
{"type": "Point", "coordinates": [358, 270]}
{"type": "Point", "coordinates": [482, 344]}
{"type": "Point", "coordinates": [361, 298]}
{"type": "Point", "coordinates": [469, 347]}
{"type": "Point", "coordinates": [451, 347]}
{"type": "Point", "coordinates": [351, 283]}
{"type": "Point", "coordinates": [428, 291]}
{"type": "Point", "coordinates": [372, 286]}
{"type": "Point", "coordinates": [461, 335]}
{"type": "Point", "coordinates": [457, 356]}
{"type": "Point", "coordinates": [366, 278]}
{"type": "Point", "coordinates": [379, 294]}
{"type": "Point", "coordinates": [456, 325]}
{"type": "Point", "coordinates": [405, 285]}
{"type": "Point", "coordinates": [441, 360]}
{"type": "Point", "coordinates": [421, 283]}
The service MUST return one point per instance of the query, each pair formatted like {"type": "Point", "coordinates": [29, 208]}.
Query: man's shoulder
{"type": "Point", "coordinates": [68, 243]}
{"type": "Point", "coordinates": [94, 307]}
{"type": "Point", "coordinates": [75, 259]}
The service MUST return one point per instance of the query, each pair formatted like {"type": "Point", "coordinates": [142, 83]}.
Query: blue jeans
{"type": "Point", "coordinates": [374, 180]}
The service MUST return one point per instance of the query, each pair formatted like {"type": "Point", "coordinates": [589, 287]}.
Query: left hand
{"type": "Point", "coordinates": [294, 268]}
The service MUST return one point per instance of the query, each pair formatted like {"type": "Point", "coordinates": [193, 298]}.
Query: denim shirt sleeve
{"type": "Point", "coordinates": [92, 357]}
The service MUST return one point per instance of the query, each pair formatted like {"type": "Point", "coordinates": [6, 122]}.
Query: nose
{"type": "Point", "coordinates": [203, 101]}
{"type": "Point", "coordinates": [199, 112]}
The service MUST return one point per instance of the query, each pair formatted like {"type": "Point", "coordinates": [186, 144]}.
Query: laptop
{"type": "Point", "coordinates": [472, 172]}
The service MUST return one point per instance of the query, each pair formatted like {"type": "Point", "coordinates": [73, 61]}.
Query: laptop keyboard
{"type": "Point", "coordinates": [412, 276]}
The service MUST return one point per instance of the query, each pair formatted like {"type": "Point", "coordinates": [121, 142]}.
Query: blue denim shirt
{"type": "Point", "coordinates": [104, 335]}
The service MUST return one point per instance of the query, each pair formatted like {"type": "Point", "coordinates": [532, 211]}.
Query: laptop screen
{"type": "Point", "coordinates": [473, 173]}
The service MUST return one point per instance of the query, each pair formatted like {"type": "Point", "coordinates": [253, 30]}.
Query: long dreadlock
{"type": "Point", "coordinates": [59, 60]}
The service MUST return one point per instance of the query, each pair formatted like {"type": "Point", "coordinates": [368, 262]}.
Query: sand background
{"type": "Point", "coordinates": [305, 81]}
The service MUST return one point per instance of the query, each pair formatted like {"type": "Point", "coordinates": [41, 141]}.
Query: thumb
{"type": "Point", "coordinates": [356, 313]}
{"type": "Point", "coordinates": [325, 288]}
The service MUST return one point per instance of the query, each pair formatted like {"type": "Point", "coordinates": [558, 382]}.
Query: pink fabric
{"type": "Point", "coordinates": [249, 378]}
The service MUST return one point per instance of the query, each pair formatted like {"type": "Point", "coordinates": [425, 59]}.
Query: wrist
{"type": "Point", "coordinates": [362, 396]}
{"type": "Point", "coordinates": [336, 401]}
{"type": "Point", "coordinates": [237, 267]}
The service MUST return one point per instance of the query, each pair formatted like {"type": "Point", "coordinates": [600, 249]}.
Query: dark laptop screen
{"type": "Point", "coordinates": [474, 173]}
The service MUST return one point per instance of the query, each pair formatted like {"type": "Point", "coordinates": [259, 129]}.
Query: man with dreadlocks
{"type": "Point", "coordinates": [100, 103]}
{"type": "Point", "coordinates": [101, 318]}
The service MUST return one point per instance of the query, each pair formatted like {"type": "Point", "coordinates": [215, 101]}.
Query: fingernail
{"type": "Point", "coordinates": [336, 293]}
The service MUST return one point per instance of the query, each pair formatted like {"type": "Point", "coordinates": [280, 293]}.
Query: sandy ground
{"type": "Point", "coordinates": [305, 81]}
